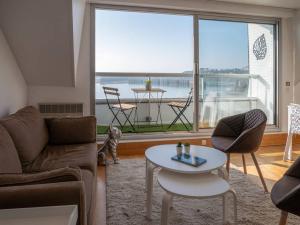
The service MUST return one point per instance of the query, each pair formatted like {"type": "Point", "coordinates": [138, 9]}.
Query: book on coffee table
{"type": "Point", "coordinates": [189, 160]}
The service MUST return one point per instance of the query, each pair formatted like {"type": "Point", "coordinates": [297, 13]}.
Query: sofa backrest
{"type": "Point", "coordinates": [9, 159]}
{"type": "Point", "coordinates": [29, 132]}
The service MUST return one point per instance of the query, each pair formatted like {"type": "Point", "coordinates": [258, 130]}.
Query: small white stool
{"type": "Point", "coordinates": [198, 186]}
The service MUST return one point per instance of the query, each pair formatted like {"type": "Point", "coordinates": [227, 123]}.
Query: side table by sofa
{"type": "Point", "coordinates": [49, 215]}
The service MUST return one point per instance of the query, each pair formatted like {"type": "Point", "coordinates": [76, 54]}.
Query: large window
{"type": "Point", "coordinates": [236, 63]}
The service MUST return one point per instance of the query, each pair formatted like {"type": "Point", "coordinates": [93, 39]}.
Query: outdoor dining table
{"type": "Point", "coordinates": [154, 94]}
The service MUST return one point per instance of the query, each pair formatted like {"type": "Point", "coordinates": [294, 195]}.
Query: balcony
{"type": "Point", "coordinates": [220, 95]}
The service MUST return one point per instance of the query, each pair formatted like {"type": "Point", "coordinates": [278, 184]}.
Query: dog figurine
{"type": "Point", "coordinates": [110, 145]}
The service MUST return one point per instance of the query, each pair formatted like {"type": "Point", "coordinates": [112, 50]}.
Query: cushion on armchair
{"type": "Point", "coordinates": [28, 131]}
{"type": "Point", "coordinates": [9, 159]}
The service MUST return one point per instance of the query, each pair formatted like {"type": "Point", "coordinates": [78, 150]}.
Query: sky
{"type": "Point", "coordinates": [163, 43]}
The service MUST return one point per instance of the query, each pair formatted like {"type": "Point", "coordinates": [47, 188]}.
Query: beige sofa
{"type": "Point", "coordinates": [48, 162]}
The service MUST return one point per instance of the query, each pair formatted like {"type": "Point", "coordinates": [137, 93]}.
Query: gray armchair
{"type": "Point", "coordinates": [286, 192]}
{"type": "Point", "coordinates": [241, 134]}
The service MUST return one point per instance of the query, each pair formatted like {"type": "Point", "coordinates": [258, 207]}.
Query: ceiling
{"type": "Point", "coordinates": [292, 4]}
{"type": "Point", "coordinates": [44, 42]}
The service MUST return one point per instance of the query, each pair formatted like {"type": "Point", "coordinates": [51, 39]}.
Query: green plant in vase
{"type": "Point", "coordinates": [148, 84]}
{"type": "Point", "coordinates": [179, 149]}
{"type": "Point", "coordinates": [187, 148]}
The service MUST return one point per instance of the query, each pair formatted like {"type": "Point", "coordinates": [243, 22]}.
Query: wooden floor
{"type": "Point", "coordinates": [269, 158]}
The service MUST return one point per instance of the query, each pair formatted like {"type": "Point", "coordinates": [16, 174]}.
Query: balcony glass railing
{"type": "Point", "coordinates": [220, 95]}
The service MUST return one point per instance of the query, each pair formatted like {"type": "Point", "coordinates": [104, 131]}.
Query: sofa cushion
{"type": "Point", "coordinates": [67, 131]}
{"type": "Point", "coordinates": [9, 159]}
{"type": "Point", "coordinates": [28, 131]}
{"type": "Point", "coordinates": [83, 156]}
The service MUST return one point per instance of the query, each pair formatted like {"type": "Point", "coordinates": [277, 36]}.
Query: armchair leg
{"type": "Point", "coordinates": [228, 163]}
{"type": "Point", "coordinates": [244, 164]}
{"type": "Point", "coordinates": [283, 218]}
{"type": "Point", "coordinates": [259, 172]}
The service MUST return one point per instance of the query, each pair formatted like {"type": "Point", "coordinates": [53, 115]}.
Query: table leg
{"type": "Point", "coordinates": [149, 188]}
{"type": "Point", "coordinates": [222, 172]}
{"type": "Point", "coordinates": [167, 198]}
{"type": "Point", "coordinates": [234, 206]}
{"type": "Point", "coordinates": [288, 147]}
{"type": "Point", "coordinates": [225, 208]}
{"type": "Point", "coordinates": [171, 202]}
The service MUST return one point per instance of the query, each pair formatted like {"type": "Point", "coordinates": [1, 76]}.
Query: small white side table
{"type": "Point", "coordinates": [160, 157]}
{"type": "Point", "coordinates": [50, 215]}
{"type": "Point", "coordinates": [196, 186]}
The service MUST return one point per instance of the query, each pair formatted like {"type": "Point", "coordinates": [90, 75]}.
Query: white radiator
{"type": "Point", "coordinates": [50, 110]}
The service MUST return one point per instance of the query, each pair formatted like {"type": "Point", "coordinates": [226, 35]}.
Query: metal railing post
{"type": "Point", "coordinates": [196, 75]}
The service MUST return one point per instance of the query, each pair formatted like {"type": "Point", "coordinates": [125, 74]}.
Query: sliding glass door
{"type": "Point", "coordinates": [228, 65]}
{"type": "Point", "coordinates": [237, 69]}
{"type": "Point", "coordinates": [136, 48]}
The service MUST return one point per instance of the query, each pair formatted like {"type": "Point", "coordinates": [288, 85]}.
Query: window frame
{"type": "Point", "coordinates": [197, 15]}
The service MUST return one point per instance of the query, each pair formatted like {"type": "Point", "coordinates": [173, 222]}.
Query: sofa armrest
{"type": "Point", "coordinates": [53, 176]}
{"type": "Point", "coordinates": [54, 194]}
{"type": "Point", "coordinates": [64, 131]}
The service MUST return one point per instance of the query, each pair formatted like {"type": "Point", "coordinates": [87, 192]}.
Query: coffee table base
{"type": "Point", "coordinates": [149, 185]}
{"type": "Point", "coordinates": [206, 186]}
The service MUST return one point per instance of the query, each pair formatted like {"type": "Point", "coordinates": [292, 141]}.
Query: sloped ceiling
{"type": "Point", "coordinates": [40, 34]}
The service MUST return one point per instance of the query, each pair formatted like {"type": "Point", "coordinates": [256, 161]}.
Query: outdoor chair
{"type": "Point", "coordinates": [241, 134]}
{"type": "Point", "coordinates": [286, 192]}
{"type": "Point", "coordinates": [119, 108]}
{"type": "Point", "coordinates": [179, 109]}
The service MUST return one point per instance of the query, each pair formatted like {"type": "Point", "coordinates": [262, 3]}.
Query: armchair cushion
{"type": "Point", "coordinates": [59, 156]}
{"type": "Point", "coordinates": [28, 131]}
{"type": "Point", "coordinates": [9, 159]}
{"type": "Point", "coordinates": [222, 143]}
{"type": "Point", "coordinates": [64, 131]}
{"type": "Point", "coordinates": [242, 133]}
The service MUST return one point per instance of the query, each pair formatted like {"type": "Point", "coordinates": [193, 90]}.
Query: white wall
{"type": "Point", "coordinates": [262, 87]}
{"type": "Point", "coordinates": [40, 34]}
{"type": "Point", "coordinates": [286, 70]}
{"type": "Point", "coordinates": [297, 58]}
{"type": "Point", "coordinates": [78, 94]}
{"type": "Point", "coordinates": [81, 92]}
{"type": "Point", "coordinates": [78, 10]}
{"type": "Point", "coordinates": [13, 88]}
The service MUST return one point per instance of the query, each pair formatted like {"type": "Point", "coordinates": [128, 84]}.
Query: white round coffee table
{"type": "Point", "coordinates": [195, 186]}
{"type": "Point", "coordinates": [160, 156]}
